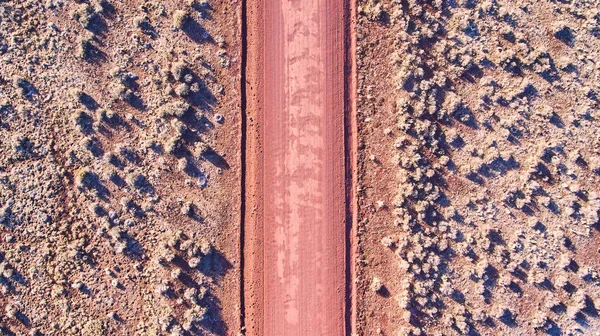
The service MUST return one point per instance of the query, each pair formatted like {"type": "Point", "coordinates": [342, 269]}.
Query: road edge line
{"type": "Point", "coordinates": [351, 144]}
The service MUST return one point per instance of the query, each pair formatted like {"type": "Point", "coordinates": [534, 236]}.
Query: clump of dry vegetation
{"type": "Point", "coordinates": [180, 17]}
{"type": "Point", "coordinates": [489, 129]}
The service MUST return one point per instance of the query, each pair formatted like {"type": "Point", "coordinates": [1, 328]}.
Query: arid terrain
{"type": "Point", "coordinates": [478, 167]}
{"type": "Point", "coordinates": [119, 167]}
{"type": "Point", "coordinates": [253, 167]}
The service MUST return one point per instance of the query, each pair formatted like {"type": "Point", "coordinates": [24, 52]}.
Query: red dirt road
{"type": "Point", "coordinates": [295, 241]}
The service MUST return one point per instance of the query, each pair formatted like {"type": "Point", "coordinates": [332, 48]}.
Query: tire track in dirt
{"type": "Point", "coordinates": [296, 231]}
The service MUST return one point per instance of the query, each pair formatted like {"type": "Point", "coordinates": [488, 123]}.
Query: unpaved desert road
{"type": "Point", "coordinates": [295, 241]}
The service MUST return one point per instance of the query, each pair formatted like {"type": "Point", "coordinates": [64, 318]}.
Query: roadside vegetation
{"type": "Point", "coordinates": [486, 137]}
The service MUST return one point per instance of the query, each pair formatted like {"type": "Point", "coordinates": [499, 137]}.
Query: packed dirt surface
{"type": "Point", "coordinates": [119, 167]}
{"type": "Point", "coordinates": [300, 117]}
{"type": "Point", "coordinates": [478, 167]}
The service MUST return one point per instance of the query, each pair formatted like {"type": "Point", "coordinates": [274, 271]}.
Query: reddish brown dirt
{"type": "Point", "coordinates": [295, 270]}
{"type": "Point", "coordinates": [81, 259]}
{"type": "Point", "coordinates": [252, 239]}
{"type": "Point", "coordinates": [494, 255]}
{"type": "Point", "coordinates": [351, 170]}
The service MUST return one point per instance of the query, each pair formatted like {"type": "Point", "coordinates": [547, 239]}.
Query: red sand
{"type": "Point", "coordinates": [295, 239]}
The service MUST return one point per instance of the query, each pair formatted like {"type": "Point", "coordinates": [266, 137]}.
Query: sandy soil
{"type": "Point", "coordinates": [478, 161]}
{"type": "Point", "coordinates": [303, 219]}
{"type": "Point", "coordinates": [119, 167]}
{"type": "Point", "coordinates": [352, 173]}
